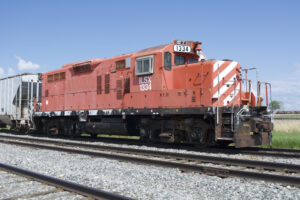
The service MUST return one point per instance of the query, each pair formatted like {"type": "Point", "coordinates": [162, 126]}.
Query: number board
{"type": "Point", "coordinates": [182, 48]}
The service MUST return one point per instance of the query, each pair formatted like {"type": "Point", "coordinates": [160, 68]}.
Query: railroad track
{"type": "Point", "coordinates": [20, 183]}
{"type": "Point", "coordinates": [177, 156]}
{"type": "Point", "coordinates": [184, 162]}
{"type": "Point", "coordinates": [273, 152]}
{"type": "Point", "coordinates": [255, 151]}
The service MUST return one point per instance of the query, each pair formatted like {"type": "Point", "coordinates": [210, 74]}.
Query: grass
{"type": "Point", "coordinates": [287, 116]}
{"type": "Point", "coordinates": [286, 134]}
{"type": "Point", "coordinates": [287, 126]}
{"type": "Point", "coordinates": [119, 136]}
{"type": "Point", "coordinates": [114, 136]}
{"type": "Point", "coordinates": [290, 140]}
{"type": "Point", "coordinates": [5, 128]}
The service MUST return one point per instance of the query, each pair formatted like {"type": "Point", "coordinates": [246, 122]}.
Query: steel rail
{"type": "Point", "coordinates": [273, 152]}
{"type": "Point", "coordinates": [200, 158]}
{"type": "Point", "coordinates": [260, 149]}
{"type": "Point", "coordinates": [261, 152]}
{"type": "Point", "coordinates": [67, 185]}
{"type": "Point", "coordinates": [276, 152]}
{"type": "Point", "coordinates": [287, 180]}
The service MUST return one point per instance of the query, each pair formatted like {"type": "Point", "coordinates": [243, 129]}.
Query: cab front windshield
{"type": "Point", "coordinates": [181, 60]}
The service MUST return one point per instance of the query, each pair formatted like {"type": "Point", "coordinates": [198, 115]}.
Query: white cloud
{"type": "Point", "coordinates": [10, 72]}
{"type": "Point", "coordinates": [26, 65]}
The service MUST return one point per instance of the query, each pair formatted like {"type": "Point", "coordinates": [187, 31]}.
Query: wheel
{"type": "Point", "coordinates": [144, 135]}
{"type": "Point", "coordinates": [94, 135]}
{"type": "Point", "coordinates": [147, 135]}
{"type": "Point", "coordinates": [45, 128]}
{"type": "Point", "coordinates": [69, 129]}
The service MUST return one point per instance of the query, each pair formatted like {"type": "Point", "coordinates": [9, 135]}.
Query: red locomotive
{"type": "Point", "coordinates": [165, 93]}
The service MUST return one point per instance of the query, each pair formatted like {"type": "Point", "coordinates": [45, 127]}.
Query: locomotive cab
{"type": "Point", "coordinates": [216, 86]}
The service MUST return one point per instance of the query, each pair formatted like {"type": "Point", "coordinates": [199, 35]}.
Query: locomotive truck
{"type": "Point", "coordinates": [167, 93]}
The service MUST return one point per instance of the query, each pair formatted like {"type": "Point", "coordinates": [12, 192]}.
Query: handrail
{"type": "Point", "coordinates": [267, 96]}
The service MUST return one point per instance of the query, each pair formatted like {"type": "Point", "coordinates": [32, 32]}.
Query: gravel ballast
{"type": "Point", "coordinates": [139, 181]}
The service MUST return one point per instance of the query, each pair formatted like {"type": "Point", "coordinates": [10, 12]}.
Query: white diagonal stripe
{"type": "Point", "coordinates": [224, 87]}
{"type": "Point", "coordinates": [218, 64]}
{"type": "Point", "coordinates": [230, 97]}
{"type": "Point", "coordinates": [226, 71]}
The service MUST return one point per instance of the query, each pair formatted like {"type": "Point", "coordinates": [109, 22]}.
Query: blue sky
{"type": "Point", "coordinates": [38, 36]}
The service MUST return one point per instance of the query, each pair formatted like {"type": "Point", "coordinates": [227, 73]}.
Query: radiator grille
{"type": "Point", "coordinates": [127, 85]}
{"type": "Point", "coordinates": [107, 84]}
{"type": "Point", "coordinates": [99, 84]}
{"type": "Point", "coordinates": [119, 89]}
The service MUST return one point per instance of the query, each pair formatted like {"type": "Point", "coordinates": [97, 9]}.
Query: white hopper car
{"type": "Point", "coordinates": [17, 96]}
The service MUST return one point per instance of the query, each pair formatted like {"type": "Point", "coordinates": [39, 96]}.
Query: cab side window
{"type": "Point", "coordinates": [144, 65]}
{"type": "Point", "coordinates": [192, 60]}
{"type": "Point", "coordinates": [179, 60]}
{"type": "Point", "coordinates": [128, 61]}
{"type": "Point", "coordinates": [167, 61]}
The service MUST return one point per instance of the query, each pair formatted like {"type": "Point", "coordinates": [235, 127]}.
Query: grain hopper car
{"type": "Point", "coordinates": [18, 96]}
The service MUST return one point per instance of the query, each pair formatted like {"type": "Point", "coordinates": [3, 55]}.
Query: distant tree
{"type": "Point", "coordinates": [276, 105]}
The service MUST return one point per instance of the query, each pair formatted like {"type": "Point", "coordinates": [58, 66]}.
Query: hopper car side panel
{"type": "Point", "coordinates": [17, 96]}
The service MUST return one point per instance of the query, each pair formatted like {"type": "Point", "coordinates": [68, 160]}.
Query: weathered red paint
{"type": "Point", "coordinates": [188, 85]}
